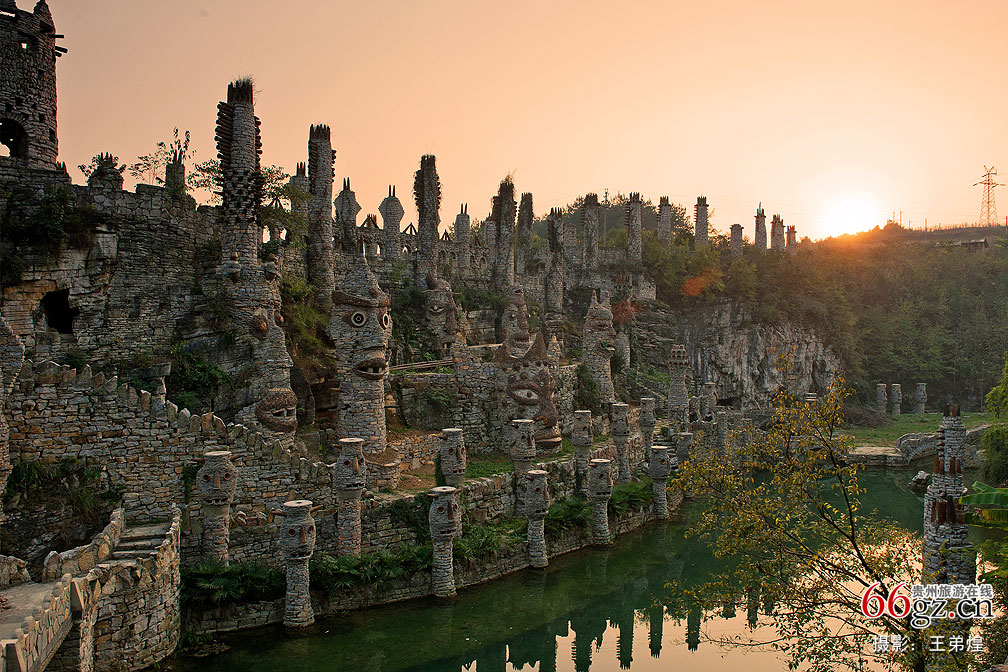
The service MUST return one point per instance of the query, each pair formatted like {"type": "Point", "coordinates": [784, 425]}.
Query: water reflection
{"type": "Point", "coordinates": [586, 611]}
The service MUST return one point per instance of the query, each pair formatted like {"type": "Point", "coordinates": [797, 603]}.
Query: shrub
{"type": "Point", "coordinates": [995, 445]}
{"type": "Point", "coordinates": [193, 381]}
{"type": "Point", "coordinates": [332, 574]}
{"type": "Point", "coordinates": [568, 513]}
{"type": "Point", "coordinates": [490, 539]}
{"type": "Point", "coordinates": [213, 583]}
{"type": "Point", "coordinates": [586, 393]}
{"type": "Point", "coordinates": [630, 496]}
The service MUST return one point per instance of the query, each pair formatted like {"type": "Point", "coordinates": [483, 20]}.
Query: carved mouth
{"type": "Point", "coordinates": [300, 554]}
{"type": "Point", "coordinates": [371, 369]}
{"type": "Point", "coordinates": [217, 501]}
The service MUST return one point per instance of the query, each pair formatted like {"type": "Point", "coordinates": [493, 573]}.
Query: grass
{"type": "Point", "coordinates": [908, 423]}
{"type": "Point", "coordinates": [487, 465]}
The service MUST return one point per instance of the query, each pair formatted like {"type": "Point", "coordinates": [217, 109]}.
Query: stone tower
{"type": "Point", "coordinates": [320, 186]}
{"type": "Point", "coordinates": [554, 298]}
{"type": "Point", "coordinates": [392, 213]}
{"type": "Point", "coordinates": [503, 222]}
{"type": "Point", "coordinates": [759, 238]}
{"type": "Point", "coordinates": [301, 185]}
{"type": "Point", "coordinates": [28, 86]}
{"type": "Point", "coordinates": [523, 234]}
{"type": "Point", "coordinates": [777, 233]}
{"type": "Point", "coordinates": [590, 231]}
{"type": "Point", "coordinates": [664, 220]}
{"type": "Point", "coordinates": [948, 555]}
{"type": "Point", "coordinates": [597, 348]}
{"type": "Point", "coordinates": [735, 246]}
{"type": "Point", "coordinates": [791, 240]}
{"type": "Point", "coordinates": [700, 217]}
{"type": "Point", "coordinates": [427, 193]}
{"type": "Point", "coordinates": [633, 222]}
{"type": "Point", "coordinates": [462, 237]}
{"type": "Point", "coordinates": [347, 208]}
{"type": "Point", "coordinates": [239, 147]}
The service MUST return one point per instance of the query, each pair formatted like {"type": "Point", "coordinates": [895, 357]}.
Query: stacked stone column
{"type": "Point", "coordinates": [735, 245]}
{"type": "Point", "coordinates": [659, 468]}
{"type": "Point", "coordinates": [619, 421]}
{"type": "Point", "coordinates": [503, 221]}
{"type": "Point", "coordinates": [633, 222]}
{"type": "Point", "coordinates": [920, 398]}
{"type": "Point", "coordinates": [590, 231]}
{"type": "Point", "coordinates": [216, 481]}
{"type": "Point", "coordinates": [664, 220]}
{"type": "Point", "coordinates": [599, 492]}
{"type": "Point", "coordinates": [347, 208]}
{"type": "Point", "coordinates": [896, 397]}
{"type": "Point", "coordinates": [554, 294]}
{"type": "Point", "coordinates": [462, 238]}
{"type": "Point", "coordinates": [392, 212]}
{"type": "Point", "coordinates": [760, 236]}
{"type": "Point", "coordinates": [451, 448]}
{"type": "Point", "coordinates": [523, 234]}
{"type": "Point", "coordinates": [534, 498]}
{"type": "Point", "coordinates": [444, 518]}
{"type": "Point", "coordinates": [320, 234]}
{"type": "Point", "coordinates": [521, 445]}
{"type": "Point", "coordinates": [427, 191]}
{"type": "Point", "coordinates": [349, 480]}
{"type": "Point", "coordinates": [647, 424]}
{"type": "Point", "coordinates": [581, 438]}
{"type": "Point", "coordinates": [700, 219]}
{"type": "Point", "coordinates": [881, 398]}
{"type": "Point", "coordinates": [297, 538]}
{"type": "Point", "coordinates": [678, 398]}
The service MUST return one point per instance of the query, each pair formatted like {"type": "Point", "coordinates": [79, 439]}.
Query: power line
{"type": "Point", "coordinates": [988, 208]}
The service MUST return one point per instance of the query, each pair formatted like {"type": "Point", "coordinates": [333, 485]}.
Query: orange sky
{"type": "Point", "coordinates": [815, 109]}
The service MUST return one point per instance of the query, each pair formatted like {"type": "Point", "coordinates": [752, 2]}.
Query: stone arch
{"type": "Point", "coordinates": [14, 137]}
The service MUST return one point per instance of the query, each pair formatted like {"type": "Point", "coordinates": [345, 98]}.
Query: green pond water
{"type": "Point", "coordinates": [590, 610]}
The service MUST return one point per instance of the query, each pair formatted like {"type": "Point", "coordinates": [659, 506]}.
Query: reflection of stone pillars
{"type": "Point", "coordinates": [656, 623]}
{"type": "Point", "coordinates": [216, 481]}
{"type": "Point", "coordinates": [599, 491]}
{"type": "Point", "coordinates": [521, 445]}
{"type": "Point", "coordinates": [881, 400]}
{"type": "Point", "coordinates": [453, 455]}
{"type": "Point", "coordinates": [534, 497]}
{"type": "Point", "coordinates": [920, 397]}
{"type": "Point", "coordinates": [752, 606]}
{"type": "Point", "coordinates": [647, 424]}
{"type": "Point", "coordinates": [619, 421]}
{"type": "Point", "coordinates": [349, 478]}
{"type": "Point", "coordinates": [582, 440]}
{"type": "Point", "coordinates": [444, 518]}
{"type": "Point", "coordinates": [896, 397]}
{"type": "Point", "coordinates": [297, 538]}
{"type": "Point", "coordinates": [659, 469]}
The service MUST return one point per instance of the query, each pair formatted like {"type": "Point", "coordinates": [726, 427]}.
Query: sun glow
{"type": "Point", "coordinates": [849, 213]}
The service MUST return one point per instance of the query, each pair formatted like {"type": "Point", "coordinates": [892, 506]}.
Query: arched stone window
{"type": "Point", "coordinates": [14, 138]}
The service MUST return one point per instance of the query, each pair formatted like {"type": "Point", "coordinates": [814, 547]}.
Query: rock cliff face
{"type": "Point", "coordinates": [747, 361]}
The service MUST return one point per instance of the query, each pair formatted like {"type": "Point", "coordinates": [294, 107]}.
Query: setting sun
{"type": "Point", "coordinates": [850, 212]}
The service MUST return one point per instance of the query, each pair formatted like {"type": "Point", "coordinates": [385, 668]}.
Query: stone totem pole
{"type": "Point", "coordinates": [896, 398]}
{"type": "Point", "coordinates": [216, 481]}
{"type": "Point", "coordinates": [453, 455]}
{"type": "Point", "coordinates": [590, 229]}
{"type": "Point", "coordinates": [678, 399]}
{"type": "Point", "coordinates": [523, 234]}
{"type": "Point", "coordinates": [359, 330]}
{"type": "Point", "coordinates": [349, 480]}
{"type": "Point", "coordinates": [881, 398]}
{"type": "Point", "coordinates": [582, 440]}
{"type": "Point", "coordinates": [535, 501]}
{"type": "Point", "coordinates": [11, 361]}
{"type": "Point", "coordinates": [320, 233]}
{"type": "Point", "coordinates": [297, 538]}
{"type": "Point", "coordinates": [521, 445]}
{"type": "Point", "coordinates": [444, 518]}
{"type": "Point", "coordinates": [554, 295]}
{"type": "Point", "coordinates": [392, 212]}
{"type": "Point", "coordinates": [659, 468]}
{"type": "Point", "coordinates": [427, 191]}
{"type": "Point", "coordinates": [920, 398]}
{"type": "Point", "coordinates": [619, 422]}
{"type": "Point", "coordinates": [528, 391]}
{"type": "Point", "coordinates": [441, 310]}
{"type": "Point", "coordinates": [647, 424]}
{"type": "Point", "coordinates": [599, 492]}
{"type": "Point", "coordinates": [598, 350]}
{"type": "Point", "coordinates": [514, 320]}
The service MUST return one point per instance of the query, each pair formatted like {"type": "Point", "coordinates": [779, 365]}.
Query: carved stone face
{"type": "Point", "coordinates": [659, 467]}
{"type": "Point", "coordinates": [350, 471]}
{"type": "Point", "coordinates": [441, 309]}
{"type": "Point", "coordinates": [599, 335]}
{"type": "Point", "coordinates": [514, 322]}
{"type": "Point", "coordinates": [297, 531]}
{"type": "Point", "coordinates": [529, 392]}
{"type": "Point", "coordinates": [599, 480]}
{"type": "Point", "coordinates": [522, 439]}
{"type": "Point", "coordinates": [619, 416]}
{"type": "Point", "coordinates": [582, 434]}
{"type": "Point", "coordinates": [277, 411]}
{"type": "Point", "coordinates": [647, 412]}
{"type": "Point", "coordinates": [444, 514]}
{"type": "Point", "coordinates": [217, 479]}
{"type": "Point", "coordinates": [534, 494]}
{"type": "Point", "coordinates": [360, 327]}
{"type": "Point", "coordinates": [453, 452]}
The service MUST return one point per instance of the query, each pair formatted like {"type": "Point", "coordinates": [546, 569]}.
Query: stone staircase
{"type": "Point", "coordinates": [138, 542]}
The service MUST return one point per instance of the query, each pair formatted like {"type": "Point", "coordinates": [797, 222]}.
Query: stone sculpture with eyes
{"type": "Point", "coordinates": [216, 482]}
{"type": "Point", "coordinates": [598, 350]}
{"type": "Point", "coordinates": [599, 492]}
{"type": "Point", "coordinates": [514, 320]}
{"type": "Point", "coordinates": [359, 330]}
{"type": "Point", "coordinates": [349, 480]}
{"type": "Point", "coordinates": [441, 312]}
{"type": "Point", "coordinates": [528, 393]}
{"type": "Point", "coordinates": [444, 518]}
{"type": "Point", "coordinates": [297, 539]}
{"type": "Point", "coordinates": [659, 469]}
{"type": "Point", "coordinates": [533, 495]}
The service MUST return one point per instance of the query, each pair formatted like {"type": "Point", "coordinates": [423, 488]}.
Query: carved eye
{"type": "Point", "coordinates": [436, 310]}
{"type": "Point", "coordinates": [386, 321]}
{"type": "Point", "coordinates": [311, 529]}
{"type": "Point", "coordinates": [227, 475]}
{"type": "Point", "coordinates": [346, 463]}
{"type": "Point", "coordinates": [206, 477]}
{"type": "Point", "coordinates": [441, 509]}
{"type": "Point", "coordinates": [525, 395]}
{"type": "Point", "coordinates": [538, 490]}
{"type": "Point", "coordinates": [292, 531]}
{"type": "Point", "coordinates": [357, 318]}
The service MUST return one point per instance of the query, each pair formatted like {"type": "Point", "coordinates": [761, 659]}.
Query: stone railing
{"type": "Point", "coordinates": [78, 561]}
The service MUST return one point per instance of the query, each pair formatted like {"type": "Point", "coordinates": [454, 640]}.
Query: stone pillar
{"type": "Point", "coordinates": [664, 220]}
{"type": "Point", "coordinates": [633, 223]}
{"type": "Point", "coordinates": [503, 221]}
{"type": "Point", "coordinates": [462, 238]}
{"type": "Point", "coordinates": [297, 538]}
{"type": "Point", "coordinates": [554, 294]}
{"type": "Point", "coordinates": [523, 234]}
{"type": "Point", "coordinates": [700, 218]}
{"type": "Point", "coordinates": [582, 440]}
{"type": "Point", "coordinates": [301, 186]}
{"type": "Point", "coordinates": [392, 212]}
{"type": "Point", "coordinates": [678, 399]}
{"type": "Point", "coordinates": [896, 397]}
{"type": "Point", "coordinates": [349, 479]}
{"type": "Point", "coordinates": [534, 498]}
{"type": "Point", "coordinates": [444, 518]}
{"type": "Point", "coordinates": [619, 422]}
{"type": "Point", "coordinates": [708, 401]}
{"type": "Point", "coordinates": [647, 424]}
{"type": "Point", "coordinates": [521, 445]}
{"type": "Point", "coordinates": [735, 246]}
{"type": "Point", "coordinates": [684, 444]}
{"type": "Point", "coordinates": [239, 146]}
{"type": "Point", "coordinates": [760, 237]}
{"type": "Point", "coordinates": [622, 347]}
{"type": "Point", "coordinates": [777, 233]}
{"type": "Point", "coordinates": [427, 191]}
{"type": "Point", "coordinates": [599, 492]}
{"type": "Point", "coordinates": [881, 399]}
{"type": "Point", "coordinates": [791, 240]}
{"type": "Point", "coordinates": [453, 455]}
{"type": "Point", "coordinates": [174, 179]}
{"type": "Point", "coordinates": [347, 207]}
{"type": "Point", "coordinates": [320, 260]}
{"type": "Point", "coordinates": [216, 481]}
{"type": "Point", "coordinates": [590, 232]}
{"type": "Point", "coordinates": [659, 469]}
{"type": "Point", "coordinates": [920, 398]}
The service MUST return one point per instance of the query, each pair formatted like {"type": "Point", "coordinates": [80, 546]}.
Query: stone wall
{"type": "Point", "coordinates": [81, 559]}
